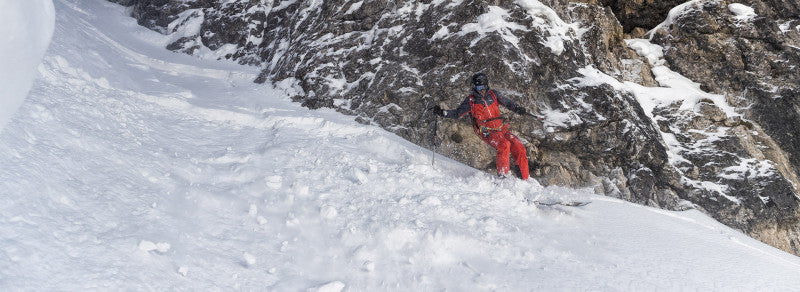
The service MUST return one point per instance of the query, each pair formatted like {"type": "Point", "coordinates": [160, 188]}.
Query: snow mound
{"type": "Point", "coordinates": [742, 12]}
{"type": "Point", "coordinates": [24, 38]}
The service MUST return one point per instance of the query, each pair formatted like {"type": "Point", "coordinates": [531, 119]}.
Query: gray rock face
{"type": "Point", "coordinates": [753, 58]}
{"type": "Point", "coordinates": [643, 14]}
{"type": "Point", "coordinates": [387, 62]}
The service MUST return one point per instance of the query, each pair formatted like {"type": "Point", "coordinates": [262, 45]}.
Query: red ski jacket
{"type": "Point", "coordinates": [484, 111]}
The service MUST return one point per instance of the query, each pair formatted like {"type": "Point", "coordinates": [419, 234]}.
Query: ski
{"type": "Point", "coordinates": [559, 203]}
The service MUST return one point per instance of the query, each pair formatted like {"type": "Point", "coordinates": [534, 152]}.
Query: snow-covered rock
{"type": "Point", "coordinates": [747, 53]}
{"type": "Point", "coordinates": [637, 17]}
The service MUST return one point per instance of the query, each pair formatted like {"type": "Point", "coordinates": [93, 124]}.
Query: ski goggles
{"type": "Point", "coordinates": [481, 87]}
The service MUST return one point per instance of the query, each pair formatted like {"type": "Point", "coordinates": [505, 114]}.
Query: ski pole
{"type": "Point", "coordinates": [435, 128]}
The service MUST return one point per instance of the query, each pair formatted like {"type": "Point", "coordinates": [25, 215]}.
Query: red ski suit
{"type": "Point", "coordinates": [488, 124]}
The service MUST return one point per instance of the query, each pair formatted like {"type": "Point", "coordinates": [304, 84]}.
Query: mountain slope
{"type": "Point", "coordinates": [700, 115]}
{"type": "Point", "coordinates": [131, 167]}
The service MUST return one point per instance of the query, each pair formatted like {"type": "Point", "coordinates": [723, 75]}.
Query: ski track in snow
{"type": "Point", "coordinates": [130, 167]}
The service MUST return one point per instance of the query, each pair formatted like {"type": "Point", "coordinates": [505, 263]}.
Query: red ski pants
{"type": "Point", "coordinates": [506, 143]}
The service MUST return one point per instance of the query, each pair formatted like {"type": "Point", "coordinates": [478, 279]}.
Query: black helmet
{"type": "Point", "coordinates": [480, 79]}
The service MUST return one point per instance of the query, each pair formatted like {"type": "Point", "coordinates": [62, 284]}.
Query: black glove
{"type": "Point", "coordinates": [437, 110]}
{"type": "Point", "coordinates": [521, 111]}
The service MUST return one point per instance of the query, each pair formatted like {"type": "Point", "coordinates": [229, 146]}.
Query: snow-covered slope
{"type": "Point", "coordinates": [133, 168]}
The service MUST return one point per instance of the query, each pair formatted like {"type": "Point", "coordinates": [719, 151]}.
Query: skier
{"type": "Point", "coordinates": [482, 105]}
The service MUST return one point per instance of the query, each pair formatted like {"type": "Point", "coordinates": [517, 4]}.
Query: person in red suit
{"type": "Point", "coordinates": [483, 107]}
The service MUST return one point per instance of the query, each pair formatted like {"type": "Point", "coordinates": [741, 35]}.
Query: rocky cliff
{"type": "Point", "coordinates": [748, 50]}
{"type": "Point", "coordinates": [700, 110]}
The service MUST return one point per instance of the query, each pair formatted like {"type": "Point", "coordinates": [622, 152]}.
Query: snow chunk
{"type": "Point", "coordinates": [742, 12]}
{"type": "Point", "coordinates": [787, 26]}
{"type": "Point", "coordinates": [654, 53]}
{"type": "Point", "coordinates": [253, 212]}
{"type": "Point", "coordinates": [359, 176]}
{"type": "Point", "coordinates": [274, 182]}
{"type": "Point", "coordinates": [148, 246]}
{"type": "Point", "coordinates": [335, 286]}
{"type": "Point", "coordinates": [249, 259]}
{"type": "Point", "coordinates": [368, 266]}
{"type": "Point", "coordinates": [328, 212]}
{"type": "Point", "coordinates": [432, 201]}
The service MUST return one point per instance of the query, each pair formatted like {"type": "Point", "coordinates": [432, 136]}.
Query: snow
{"type": "Point", "coordinates": [674, 13]}
{"type": "Point", "coordinates": [542, 16]}
{"type": "Point", "coordinates": [187, 24]}
{"type": "Point", "coordinates": [786, 26]}
{"type": "Point", "coordinates": [149, 246]}
{"type": "Point", "coordinates": [742, 12]}
{"type": "Point", "coordinates": [133, 168]}
{"type": "Point", "coordinates": [749, 169]}
{"type": "Point", "coordinates": [547, 19]}
{"type": "Point", "coordinates": [652, 52]}
{"type": "Point", "coordinates": [674, 87]}
{"type": "Point", "coordinates": [24, 38]}
{"type": "Point", "coordinates": [354, 7]}
{"type": "Point", "coordinates": [493, 21]}
{"type": "Point", "coordinates": [283, 5]}
{"type": "Point", "coordinates": [441, 33]}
